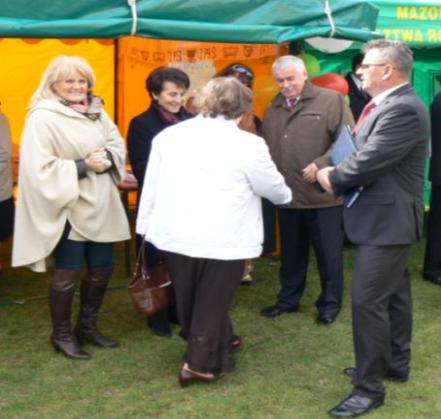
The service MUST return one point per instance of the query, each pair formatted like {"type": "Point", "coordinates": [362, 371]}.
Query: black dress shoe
{"type": "Point", "coordinates": [325, 319]}
{"type": "Point", "coordinates": [355, 405]}
{"type": "Point", "coordinates": [435, 279]}
{"type": "Point", "coordinates": [274, 311]}
{"type": "Point", "coordinates": [350, 372]}
{"type": "Point", "coordinates": [159, 324]}
{"type": "Point", "coordinates": [390, 375]}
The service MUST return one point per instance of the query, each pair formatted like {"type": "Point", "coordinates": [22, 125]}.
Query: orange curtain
{"type": "Point", "coordinates": [137, 57]}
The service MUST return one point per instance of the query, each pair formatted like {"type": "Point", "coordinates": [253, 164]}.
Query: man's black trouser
{"type": "Point", "coordinates": [321, 228]}
{"type": "Point", "coordinates": [381, 316]}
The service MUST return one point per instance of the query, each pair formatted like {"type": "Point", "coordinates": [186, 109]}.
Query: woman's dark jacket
{"type": "Point", "coordinates": [142, 129]}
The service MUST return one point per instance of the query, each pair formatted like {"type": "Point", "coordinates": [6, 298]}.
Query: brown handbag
{"type": "Point", "coordinates": [149, 287]}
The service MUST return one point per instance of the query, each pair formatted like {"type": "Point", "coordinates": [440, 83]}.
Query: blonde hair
{"type": "Point", "coordinates": [58, 69]}
{"type": "Point", "coordinates": [225, 96]}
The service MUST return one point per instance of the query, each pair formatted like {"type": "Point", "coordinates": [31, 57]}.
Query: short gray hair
{"type": "Point", "coordinates": [225, 96]}
{"type": "Point", "coordinates": [396, 51]}
{"type": "Point", "coordinates": [286, 61]}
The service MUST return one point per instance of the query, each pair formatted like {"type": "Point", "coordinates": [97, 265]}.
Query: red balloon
{"type": "Point", "coordinates": [332, 81]}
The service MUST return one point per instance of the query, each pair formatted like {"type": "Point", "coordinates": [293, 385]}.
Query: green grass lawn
{"type": "Point", "coordinates": [289, 368]}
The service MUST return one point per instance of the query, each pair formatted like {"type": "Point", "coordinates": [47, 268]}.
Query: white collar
{"type": "Point", "coordinates": [381, 96]}
{"type": "Point", "coordinates": [296, 100]}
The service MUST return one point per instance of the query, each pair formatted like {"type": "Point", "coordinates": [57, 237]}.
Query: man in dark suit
{"type": "Point", "coordinates": [392, 137]}
{"type": "Point", "coordinates": [432, 260]}
{"type": "Point", "coordinates": [358, 97]}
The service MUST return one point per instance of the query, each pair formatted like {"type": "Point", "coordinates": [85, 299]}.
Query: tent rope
{"type": "Point", "coordinates": [132, 4]}
{"type": "Point", "coordinates": [328, 13]}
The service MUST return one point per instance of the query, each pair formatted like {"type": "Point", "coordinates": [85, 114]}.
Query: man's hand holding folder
{"type": "Point", "coordinates": [341, 149]}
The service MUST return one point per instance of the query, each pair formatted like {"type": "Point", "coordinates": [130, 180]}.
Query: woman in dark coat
{"type": "Point", "coordinates": [166, 87]}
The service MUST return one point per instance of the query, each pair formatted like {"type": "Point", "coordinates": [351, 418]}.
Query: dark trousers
{"type": "Point", "coordinates": [7, 210]}
{"type": "Point", "coordinates": [71, 254]}
{"type": "Point", "coordinates": [204, 290]}
{"type": "Point", "coordinates": [269, 226]}
{"type": "Point", "coordinates": [323, 229]}
{"type": "Point", "coordinates": [432, 259]}
{"type": "Point", "coordinates": [381, 316]}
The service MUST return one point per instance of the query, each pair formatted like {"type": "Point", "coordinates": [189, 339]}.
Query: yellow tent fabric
{"type": "Point", "coordinates": [24, 60]}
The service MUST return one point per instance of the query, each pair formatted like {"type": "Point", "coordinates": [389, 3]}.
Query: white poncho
{"type": "Point", "coordinates": [50, 192]}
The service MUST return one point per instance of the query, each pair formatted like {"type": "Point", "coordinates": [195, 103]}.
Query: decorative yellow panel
{"type": "Point", "coordinates": [24, 60]}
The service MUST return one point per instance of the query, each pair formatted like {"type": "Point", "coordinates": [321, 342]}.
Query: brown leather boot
{"type": "Point", "coordinates": [61, 293]}
{"type": "Point", "coordinates": [93, 289]}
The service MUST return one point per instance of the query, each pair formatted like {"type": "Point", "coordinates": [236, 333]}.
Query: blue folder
{"type": "Point", "coordinates": [341, 149]}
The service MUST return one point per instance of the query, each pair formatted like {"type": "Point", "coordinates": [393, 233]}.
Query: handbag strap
{"type": "Point", "coordinates": [140, 267]}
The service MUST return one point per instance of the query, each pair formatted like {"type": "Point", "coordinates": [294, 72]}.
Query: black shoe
{"type": "Point", "coordinates": [172, 317]}
{"type": "Point", "coordinates": [325, 319]}
{"type": "Point", "coordinates": [164, 331]}
{"type": "Point", "coordinates": [390, 375]}
{"type": "Point", "coordinates": [355, 405]}
{"type": "Point", "coordinates": [351, 372]}
{"type": "Point", "coordinates": [274, 311]}
{"type": "Point", "coordinates": [432, 278]}
{"type": "Point", "coordinates": [159, 324]}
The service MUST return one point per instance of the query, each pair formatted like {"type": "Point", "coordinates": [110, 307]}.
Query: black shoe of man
{"type": "Point", "coordinates": [324, 320]}
{"type": "Point", "coordinates": [274, 311]}
{"type": "Point", "coordinates": [355, 405]}
{"type": "Point", "coordinates": [434, 279]}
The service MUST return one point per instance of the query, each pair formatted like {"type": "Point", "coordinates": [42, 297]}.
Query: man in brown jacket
{"type": "Point", "coordinates": [299, 126]}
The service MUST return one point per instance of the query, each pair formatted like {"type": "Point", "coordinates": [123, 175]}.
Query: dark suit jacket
{"type": "Point", "coordinates": [435, 162]}
{"type": "Point", "coordinates": [392, 150]}
{"type": "Point", "coordinates": [142, 129]}
{"type": "Point", "coordinates": [358, 99]}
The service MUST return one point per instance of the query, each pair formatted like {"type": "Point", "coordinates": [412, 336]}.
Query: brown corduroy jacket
{"type": "Point", "coordinates": [297, 137]}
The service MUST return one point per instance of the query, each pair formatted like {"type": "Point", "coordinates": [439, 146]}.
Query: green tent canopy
{"type": "Point", "coordinates": [247, 21]}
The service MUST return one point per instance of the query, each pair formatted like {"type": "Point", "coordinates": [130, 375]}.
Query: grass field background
{"type": "Point", "coordinates": [289, 367]}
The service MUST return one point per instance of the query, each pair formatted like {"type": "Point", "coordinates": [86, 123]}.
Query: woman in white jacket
{"type": "Point", "coordinates": [202, 207]}
{"type": "Point", "coordinates": [71, 159]}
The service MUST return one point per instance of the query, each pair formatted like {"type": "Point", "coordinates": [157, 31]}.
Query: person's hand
{"type": "Point", "coordinates": [97, 161]}
{"type": "Point", "coordinates": [323, 178]}
{"type": "Point", "coordinates": [310, 173]}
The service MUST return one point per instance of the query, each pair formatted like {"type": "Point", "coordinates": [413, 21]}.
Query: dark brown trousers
{"type": "Point", "coordinates": [204, 291]}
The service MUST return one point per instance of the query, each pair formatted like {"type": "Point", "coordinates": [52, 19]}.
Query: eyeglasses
{"type": "Point", "coordinates": [366, 66]}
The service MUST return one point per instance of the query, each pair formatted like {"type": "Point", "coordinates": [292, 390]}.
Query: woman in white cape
{"type": "Point", "coordinates": [71, 159]}
{"type": "Point", "coordinates": [201, 205]}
